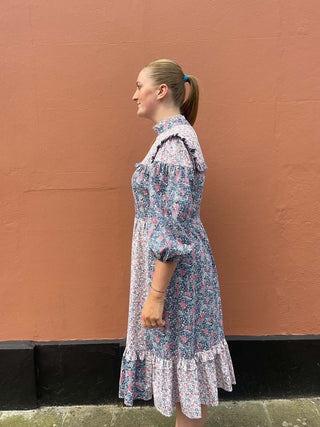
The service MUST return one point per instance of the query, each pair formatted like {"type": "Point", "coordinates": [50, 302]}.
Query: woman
{"type": "Point", "coordinates": [175, 348]}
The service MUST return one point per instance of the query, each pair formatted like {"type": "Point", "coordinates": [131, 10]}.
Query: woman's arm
{"type": "Point", "coordinates": [161, 277]}
{"type": "Point", "coordinates": [151, 315]}
{"type": "Point", "coordinates": [169, 237]}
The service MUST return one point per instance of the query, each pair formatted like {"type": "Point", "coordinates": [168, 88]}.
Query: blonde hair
{"type": "Point", "coordinates": [169, 72]}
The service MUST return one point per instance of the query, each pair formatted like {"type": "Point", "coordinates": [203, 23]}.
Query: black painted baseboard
{"type": "Point", "coordinates": [34, 373]}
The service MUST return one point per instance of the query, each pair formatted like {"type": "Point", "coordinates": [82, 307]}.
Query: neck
{"type": "Point", "coordinates": [165, 112]}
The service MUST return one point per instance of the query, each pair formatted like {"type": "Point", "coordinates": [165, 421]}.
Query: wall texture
{"type": "Point", "coordinates": [70, 137]}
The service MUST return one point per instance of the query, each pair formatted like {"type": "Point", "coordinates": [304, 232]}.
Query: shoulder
{"type": "Point", "coordinates": [172, 149]}
{"type": "Point", "coordinates": [179, 146]}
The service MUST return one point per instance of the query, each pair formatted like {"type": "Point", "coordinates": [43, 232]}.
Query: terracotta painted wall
{"type": "Point", "coordinates": [70, 138]}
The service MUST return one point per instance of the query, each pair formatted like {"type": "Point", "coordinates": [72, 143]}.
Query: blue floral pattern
{"type": "Point", "coordinates": [188, 358]}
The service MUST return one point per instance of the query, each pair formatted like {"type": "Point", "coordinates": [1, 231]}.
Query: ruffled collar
{"type": "Point", "coordinates": [169, 122]}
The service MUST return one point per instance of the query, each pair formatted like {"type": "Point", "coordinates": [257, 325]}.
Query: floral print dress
{"type": "Point", "coordinates": [188, 358]}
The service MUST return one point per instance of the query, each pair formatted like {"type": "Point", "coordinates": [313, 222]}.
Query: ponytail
{"type": "Point", "coordinates": [190, 106]}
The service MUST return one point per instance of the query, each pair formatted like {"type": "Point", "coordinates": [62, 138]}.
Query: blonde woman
{"type": "Point", "coordinates": [176, 350]}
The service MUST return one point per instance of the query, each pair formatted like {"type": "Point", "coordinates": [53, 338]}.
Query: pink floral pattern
{"type": "Point", "coordinates": [188, 358]}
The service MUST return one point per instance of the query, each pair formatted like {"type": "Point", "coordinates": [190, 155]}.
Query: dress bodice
{"type": "Point", "coordinates": [175, 153]}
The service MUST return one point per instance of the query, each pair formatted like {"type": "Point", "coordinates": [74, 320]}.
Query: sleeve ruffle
{"type": "Point", "coordinates": [197, 165]}
{"type": "Point", "coordinates": [171, 211]}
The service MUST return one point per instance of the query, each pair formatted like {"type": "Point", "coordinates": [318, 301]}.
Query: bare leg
{"type": "Point", "coordinates": [184, 421]}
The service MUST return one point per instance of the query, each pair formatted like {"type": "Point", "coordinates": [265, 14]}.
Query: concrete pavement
{"type": "Point", "coordinates": [251, 413]}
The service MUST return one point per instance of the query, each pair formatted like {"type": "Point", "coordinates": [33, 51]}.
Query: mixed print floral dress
{"type": "Point", "coordinates": [188, 358]}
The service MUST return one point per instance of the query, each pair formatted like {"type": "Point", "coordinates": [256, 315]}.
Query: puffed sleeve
{"type": "Point", "coordinates": [171, 203]}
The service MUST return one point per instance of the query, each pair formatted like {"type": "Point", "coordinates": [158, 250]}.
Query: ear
{"type": "Point", "coordinates": [162, 91]}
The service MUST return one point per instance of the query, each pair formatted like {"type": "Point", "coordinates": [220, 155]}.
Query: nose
{"type": "Point", "coordinates": [134, 98]}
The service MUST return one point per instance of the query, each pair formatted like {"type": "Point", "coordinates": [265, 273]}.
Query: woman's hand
{"type": "Point", "coordinates": [151, 315]}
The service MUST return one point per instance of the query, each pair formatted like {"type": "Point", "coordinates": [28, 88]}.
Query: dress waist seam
{"type": "Point", "coordinates": [136, 218]}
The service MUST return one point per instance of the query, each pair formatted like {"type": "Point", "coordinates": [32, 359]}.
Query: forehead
{"type": "Point", "coordinates": [144, 75]}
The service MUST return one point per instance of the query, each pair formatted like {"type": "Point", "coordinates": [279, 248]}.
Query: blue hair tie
{"type": "Point", "coordinates": [186, 78]}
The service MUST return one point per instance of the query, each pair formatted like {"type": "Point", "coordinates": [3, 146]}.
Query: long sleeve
{"type": "Point", "coordinates": [171, 203]}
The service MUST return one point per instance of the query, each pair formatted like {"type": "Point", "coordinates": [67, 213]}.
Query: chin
{"type": "Point", "coordinates": [140, 114]}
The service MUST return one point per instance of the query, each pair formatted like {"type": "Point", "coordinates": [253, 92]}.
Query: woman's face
{"type": "Point", "coordinates": [146, 95]}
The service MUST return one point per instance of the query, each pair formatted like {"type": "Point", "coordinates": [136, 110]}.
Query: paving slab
{"type": "Point", "coordinates": [238, 414]}
{"type": "Point", "coordinates": [293, 413]}
{"type": "Point", "coordinates": [42, 417]}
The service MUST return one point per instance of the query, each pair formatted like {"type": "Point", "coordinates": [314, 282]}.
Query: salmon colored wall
{"type": "Point", "coordinates": [70, 138]}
